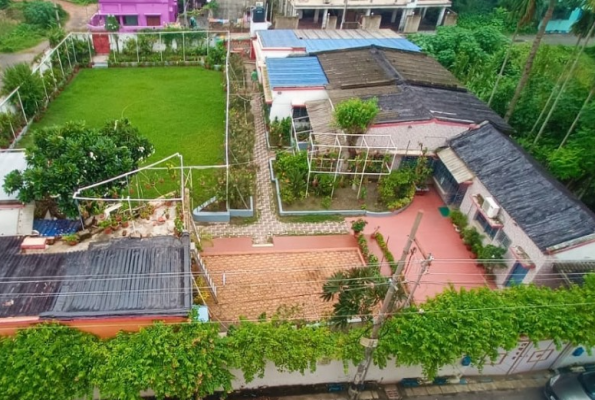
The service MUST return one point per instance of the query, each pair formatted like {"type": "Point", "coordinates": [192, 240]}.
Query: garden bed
{"type": "Point", "coordinates": [343, 199]}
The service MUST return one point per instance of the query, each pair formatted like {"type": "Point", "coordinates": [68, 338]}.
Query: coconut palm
{"type": "Point", "coordinates": [524, 12]}
{"type": "Point", "coordinates": [532, 54]}
{"type": "Point", "coordinates": [578, 117]}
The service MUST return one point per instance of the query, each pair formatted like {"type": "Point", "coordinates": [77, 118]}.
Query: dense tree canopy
{"type": "Point", "coordinates": [476, 63]}
{"type": "Point", "coordinates": [65, 158]}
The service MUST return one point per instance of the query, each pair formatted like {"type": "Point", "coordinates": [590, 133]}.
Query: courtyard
{"type": "Point", "coordinates": [178, 109]}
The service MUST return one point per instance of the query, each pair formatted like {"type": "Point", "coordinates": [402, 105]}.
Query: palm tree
{"type": "Point", "coordinates": [584, 28]}
{"type": "Point", "coordinates": [563, 88]}
{"type": "Point", "coordinates": [524, 11]}
{"type": "Point", "coordinates": [531, 58]}
{"type": "Point", "coordinates": [578, 117]}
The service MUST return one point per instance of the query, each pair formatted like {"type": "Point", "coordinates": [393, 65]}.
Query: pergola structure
{"type": "Point", "coordinates": [330, 153]}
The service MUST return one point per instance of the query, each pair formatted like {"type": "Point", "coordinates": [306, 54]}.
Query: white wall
{"type": "Point", "coordinates": [567, 359]}
{"type": "Point", "coordinates": [284, 101]}
{"type": "Point", "coordinates": [511, 229]}
{"type": "Point", "coordinates": [432, 134]}
{"type": "Point", "coordinates": [581, 252]}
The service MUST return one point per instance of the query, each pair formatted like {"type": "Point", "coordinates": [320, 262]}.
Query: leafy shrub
{"type": "Point", "coordinates": [55, 36]}
{"type": "Point", "coordinates": [14, 37]}
{"type": "Point", "coordinates": [280, 132]}
{"type": "Point", "coordinates": [4, 4]}
{"type": "Point", "coordinates": [42, 13]}
{"type": "Point", "coordinates": [292, 172]}
{"type": "Point", "coordinates": [397, 189]}
{"type": "Point", "coordinates": [31, 87]}
{"type": "Point", "coordinates": [459, 219]}
{"type": "Point", "coordinates": [492, 257]}
{"type": "Point", "coordinates": [217, 55]}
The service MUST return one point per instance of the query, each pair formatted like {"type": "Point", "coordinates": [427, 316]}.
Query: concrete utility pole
{"type": "Point", "coordinates": [371, 342]}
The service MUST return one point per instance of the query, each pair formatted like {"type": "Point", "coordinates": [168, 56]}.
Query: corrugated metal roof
{"type": "Point", "coordinates": [47, 227]}
{"type": "Point", "coordinates": [347, 34]}
{"type": "Point", "coordinates": [295, 72]}
{"type": "Point", "coordinates": [9, 161]}
{"type": "Point", "coordinates": [279, 39]}
{"type": "Point", "coordinates": [127, 276]}
{"type": "Point", "coordinates": [574, 272]}
{"type": "Point", "coordinates": [317, 45]}
{"type": "Point", "coordinates": [455, 166]}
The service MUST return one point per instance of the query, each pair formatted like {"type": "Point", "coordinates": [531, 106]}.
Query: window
{"type": "Point", "coordinates": [503, 239]}
{"type": "Point", "coordinates": [487, 228]}
{"type": "Point", "coordinates": [453, 192]}
{"type": "Point", "coordinates": [517, 274]}
{"type": "Point", "coordinates": [130, 20]}
{"type": "Point", "coordinates": [299, 112]}
{"type": "Point", "coordinates": [153, 20]}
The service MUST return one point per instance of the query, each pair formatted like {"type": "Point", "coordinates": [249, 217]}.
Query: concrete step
{"type": "Point", "coordinates": [100, 65]}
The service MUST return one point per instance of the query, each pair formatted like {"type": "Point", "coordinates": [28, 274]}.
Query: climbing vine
{"type": "Point", "coordinates": [51, 361]}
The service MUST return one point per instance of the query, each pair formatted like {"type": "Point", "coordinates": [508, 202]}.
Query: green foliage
{"type": "Point", "coordinates": [355, 116]}
{"type": "Point", "coordinates": [64, 158]}
{"type": "Point", "coordinates": [15, 37]}
{"type": "Point", "coordinates": [473, 239]}
{"type": "Point", "coordinates": [48, 362]}
{"type": "Point", "coordinates": [280, 132]}
{"type": "Point", "coordinates": [4, 4]}
{"type": "Point", "coordinates": [31, 87]}
{"type": "Point", "coordinates": [112, 24]}
{"type": "Point", "coordinates": [55, 36]}
{"type": "Point", "coordinates": [459, 219]}
{"type": "Point", "coordinates": [388, 255]}
{"type": "Point", "coordinates": [357, 292]}
{"type": "Point", "coordinates": [492, 257]}
{"type": "Point", "coordinates": [217, 55]}
{"type": "Point", "coordinates": [292, 172]}
{"type": "Point", "coordinates": [358, 225]}
{"type": "Point", "coordinates": [397, 189]}
{"type": "Point", "coordinates": [42, 13]}
{"type": "Point", "coordinates": [174, 361]}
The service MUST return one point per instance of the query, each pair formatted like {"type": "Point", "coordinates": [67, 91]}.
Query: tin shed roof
{"type": "Point", "coordinates": [455, 166]}
{"type": "Point", "coordinates": [295, 72]}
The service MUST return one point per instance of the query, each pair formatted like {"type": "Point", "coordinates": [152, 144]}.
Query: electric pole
{"type": "Point", "coordinates": [371, 342]}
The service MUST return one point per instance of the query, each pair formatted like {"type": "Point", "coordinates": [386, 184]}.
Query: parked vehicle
{"type": "Point", "coordinates": [571, 386]}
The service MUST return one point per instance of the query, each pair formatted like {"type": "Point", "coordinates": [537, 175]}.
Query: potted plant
{"type": "Point", "coordinates": [423, 172]}
{"type": "Point", "coordinates": [358, 226]}
{"type": "Point", "coordinates": [71, 239]}
{"type": "Point", "coordinates": [125, 220]}
{"type": "Point", "coordinates": [106, 225]}
{"type": "Point", "coordinates": [491, 257]}
{"type": "Point", "coordinates": [459, 220]}
{"type": "Point", "coordinates": [471, 238]}
{"type": "Point", "coordinates": [115, 224]}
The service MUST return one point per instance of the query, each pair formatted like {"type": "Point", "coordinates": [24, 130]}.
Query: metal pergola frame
{"type": "Point", "coordinates": [337, 162]}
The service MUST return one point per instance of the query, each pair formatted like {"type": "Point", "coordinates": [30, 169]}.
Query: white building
{"type": "Point", "coordinates": [16, 218]}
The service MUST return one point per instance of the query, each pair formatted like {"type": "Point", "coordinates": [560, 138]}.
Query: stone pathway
{"type": "Point", "coordinates": [268, 225]}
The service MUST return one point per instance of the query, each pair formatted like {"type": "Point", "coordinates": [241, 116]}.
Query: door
{"type": "Point", "coordinates": [153, 20]}
{"type": "Point", "coordinates": [517, 274]}
{"type": "Point", "coordinates": [101, 43]}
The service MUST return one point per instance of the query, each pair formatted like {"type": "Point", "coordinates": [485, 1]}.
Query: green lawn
{"type": "Point", "coordinates": [179, 109]}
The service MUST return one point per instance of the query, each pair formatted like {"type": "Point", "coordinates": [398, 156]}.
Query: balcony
{"type": "Point", "coordinates": [96, 23]}
{"type": "Point", "coordinates": [302, 4]}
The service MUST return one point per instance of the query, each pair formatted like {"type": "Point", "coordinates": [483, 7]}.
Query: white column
{"type": "Point", "coordinates": [316, 14]}
{"type": "Point", "coordinates": [403, 20]}
{"type": "Point", "coordinates": [324, 18]}
{"type": "Point", "coordinates": [368, 12]}
{"type": "Point", "coordinates": [423, 12]}
{"type": "Point", "coordinates": [393, 17]}
{"type": "Point", "coordinates": [441, 16]}
{"type": "Point", "coordinates": [285, 8]}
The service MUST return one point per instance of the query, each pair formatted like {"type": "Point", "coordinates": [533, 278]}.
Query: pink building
{"type": "Point", "coordinates": [135, 14]}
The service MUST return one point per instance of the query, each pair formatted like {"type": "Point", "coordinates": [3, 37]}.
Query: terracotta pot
{"type": "Point", "coordinates": [125, 224]}
{"type": "Point", "coordinates": [107, 231]}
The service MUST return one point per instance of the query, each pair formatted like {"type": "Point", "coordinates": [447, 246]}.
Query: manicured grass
{"type": "Point", "coordinates": [179, 109]}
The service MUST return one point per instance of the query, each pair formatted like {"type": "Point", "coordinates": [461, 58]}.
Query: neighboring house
{"type": "Point", "coordinates": [516, 204]}
{"type": "Point", "coordinates": [563, 20]}
{"type": "Point", "coordinates": [422, 105]}
{"type": "Point", "coordinates": [403, 15]}
{"type": "Point", "coordinates": [16, 218]}
{"type": "Point", "coordinates": [284, 42]}
{"type": "Point", "coordinates": [133, 15]}
{"type": "Point", "coordinates": [123, 284]}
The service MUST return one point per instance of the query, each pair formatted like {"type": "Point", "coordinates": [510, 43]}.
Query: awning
{"type": "Point", "coordinates": [574, 273]}
{"type": "Point", "coordinates": [455, 166]}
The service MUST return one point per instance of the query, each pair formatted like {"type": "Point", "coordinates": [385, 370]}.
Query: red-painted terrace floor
{"type": "Point", "coordinates": [436, 235]}
{"type": "Point", "coordinates": [452, 263]}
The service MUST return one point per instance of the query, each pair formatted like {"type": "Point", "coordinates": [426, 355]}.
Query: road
{"type": "Point", "coordinates": [518, 394]}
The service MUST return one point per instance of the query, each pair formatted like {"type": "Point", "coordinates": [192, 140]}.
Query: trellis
{"type": "Point", "coordinates": [329, 157]}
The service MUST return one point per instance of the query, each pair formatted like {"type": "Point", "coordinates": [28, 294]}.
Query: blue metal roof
{"type": "Point", "coordinates": [48, 227]}
{"type": "Point", "coordinates": [283, 38]}
{"type": "Point", "coordinates": [295, 72]}
{"type": "Point", "coordinates": [316, 45]}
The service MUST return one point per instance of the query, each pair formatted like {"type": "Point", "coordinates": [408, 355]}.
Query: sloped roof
{"type": "Point", "coordinates": [537, 202]}
{"type": "Point", "coordinates": [574, 272]}
{"type": "Point", "coordinates": [281, 38]}
{"type": "Point", "coordinates": [457, 168]}
{"type": "Point", "coordinates": [122, 277]}
{"type": "Point", "coordinates": [295, 72]}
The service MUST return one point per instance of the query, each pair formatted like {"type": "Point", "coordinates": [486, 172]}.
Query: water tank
{"type": "Point", "coordinates": [258, 14]}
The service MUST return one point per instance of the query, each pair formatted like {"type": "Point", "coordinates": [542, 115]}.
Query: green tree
{"type": "Point", "coordinates": [43, 13]}
{"type": "Point", "coordinates": [31, 87]}
{"type": "Point", "coordinates": [355, 116]}
{"type": "Point", "coordinates": [357, 291]}
{"type": "Point", "coordinates": [531, 58]}
{"type": "Point", "coordinates": [64, 158]}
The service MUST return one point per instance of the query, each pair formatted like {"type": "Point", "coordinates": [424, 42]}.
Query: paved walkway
{"type": "Point", "coordinates": [268, 225]}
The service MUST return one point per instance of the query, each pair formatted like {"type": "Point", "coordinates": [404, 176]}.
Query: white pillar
{"type": "Point", "coordinates": [316, 14]}
{"type": "Point", "coordinates": [403, 20]}
{"type": "Point", "coordinates": [324, 18]}
{"type": "Point", "coordinates": [285, 8]}
{"type": "Point", "coordinates": [393, 17]}
{"type": "Point", "coordinates": [423, 12]}
{"type": "Point", "coordinates": [441, 16]}
{"type": "Point", "coordinates": [368, 12]}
